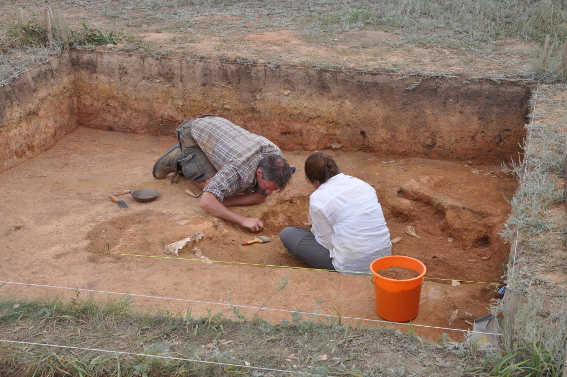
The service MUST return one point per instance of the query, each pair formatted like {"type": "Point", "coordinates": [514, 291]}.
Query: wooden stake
{"type": "Point", "coordinates": [509, 311]}
{"type": "Point", "coordinates": [545, 49]}
{"type": "Point", "coordinates": [48, 26]}
{"type": "Point", "coordinates": [21, 15]}
{"type": "Point", "coordinates": [50, 12]}
{"type": "Point", "coordinates": [565, 59]}
{"type": "Point", "coordinates": [63, 27]}
{"type": "Point", "coordinates": [565, 174]}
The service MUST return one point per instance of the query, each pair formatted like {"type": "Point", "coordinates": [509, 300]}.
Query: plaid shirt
{"type": "Point", "coordinates": [234, 152]}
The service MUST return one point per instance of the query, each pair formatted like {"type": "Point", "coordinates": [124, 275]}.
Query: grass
{"type": "Point", "coordinates": [463, 27]}
{"type": "Point", "coordinates": [469, 31]}
{"type": "Point", "coordinates": [98, 37]}
{"type": "Point", "coordinates": [26, 34]}
{"type": "Point", "coordinates": [26, 42]}
{"type": "Point", "coordinates": [528, 361]}
{"type": "Point", "coordinates": [538, 344]}
{"type": "Point", "coordinates": [112, 339]}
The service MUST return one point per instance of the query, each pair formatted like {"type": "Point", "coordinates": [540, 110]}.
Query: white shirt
{"type": "Point", "coordinates": [347, 219]}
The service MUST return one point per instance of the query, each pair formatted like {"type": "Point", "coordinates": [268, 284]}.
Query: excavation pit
{"type": "Point", "coordinates": [89, 124]}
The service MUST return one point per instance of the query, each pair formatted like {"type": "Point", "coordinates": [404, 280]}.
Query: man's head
{"type": "Point", "coordinates": [273, 172]}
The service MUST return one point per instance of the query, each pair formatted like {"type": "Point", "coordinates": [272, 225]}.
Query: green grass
{"type": "Point", "coordinates": [537, 347]}
{"type": "Point", "coordinates": [112, 339]}
{"type": "Point", "coordinates": [21, 35]}
{"type": "Point", "coordinates": [530, 361]}
{"type": "Point", "coordinates": [460, 26]}
{"type": "Point", "coordinates": [98, 37]}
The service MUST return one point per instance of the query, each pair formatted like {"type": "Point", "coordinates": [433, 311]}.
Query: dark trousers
{"type": "Point", "coordinates": [194, 163]}
{"type": "Point", "coordinates": [302, 244]}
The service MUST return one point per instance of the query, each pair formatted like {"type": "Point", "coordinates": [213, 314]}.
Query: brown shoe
{"type": "Point", "coordinates": [167, 163]}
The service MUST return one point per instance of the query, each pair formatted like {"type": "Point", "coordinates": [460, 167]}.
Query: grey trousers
{"type": "Point", "coordinates": [302, 244]}
{"type": "Point", "coordinates": [194, 163]}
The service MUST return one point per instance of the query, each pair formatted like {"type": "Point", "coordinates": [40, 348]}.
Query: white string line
{"type": "Point", "coordinates": [155, 356]}
{"type": "Point", "coordinates": [249, 307]}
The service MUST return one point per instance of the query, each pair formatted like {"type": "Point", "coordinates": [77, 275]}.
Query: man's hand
{"type": "Point", "coordinates": [211, 204]}
{"type": "Point", "coordinates": [255, 225]}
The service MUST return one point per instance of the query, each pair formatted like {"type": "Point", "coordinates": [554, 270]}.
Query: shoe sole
{"type": "Point", "coordinates": [165, 156]}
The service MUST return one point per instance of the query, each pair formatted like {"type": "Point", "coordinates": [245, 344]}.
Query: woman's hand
{"type": "Point", "coordinates": [309, 221]}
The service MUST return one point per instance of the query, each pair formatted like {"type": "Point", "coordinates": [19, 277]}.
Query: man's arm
{"type": "Point", "coordinates": [211, 204]}
{"type": "Point", "coordinates": [244, 200]}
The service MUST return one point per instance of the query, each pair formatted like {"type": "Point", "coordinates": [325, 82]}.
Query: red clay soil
{"type": "Point", "coordinates": [60, 229]}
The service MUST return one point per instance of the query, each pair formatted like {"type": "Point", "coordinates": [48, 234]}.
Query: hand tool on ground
{"type": "Point", "coordinates": [122, 192]}
{"type": "Point", "coordinates": [188, 192]}
{"type": "Point", "coordinates": [143, 195]}
{"type": "Point", "coordinates": [121, 203]}
{"type": "Point", "coordinates": [259, 239]}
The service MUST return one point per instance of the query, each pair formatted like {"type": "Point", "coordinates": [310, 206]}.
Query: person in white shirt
{"type": "Point", "coordinates": [348, 229]}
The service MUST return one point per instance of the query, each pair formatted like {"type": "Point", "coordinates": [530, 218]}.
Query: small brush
{"type": "Point", "coordinates": [259, 239]}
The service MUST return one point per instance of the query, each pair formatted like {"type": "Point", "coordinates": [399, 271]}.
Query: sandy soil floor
{"type": "Point", "coordinates": [59, 229]}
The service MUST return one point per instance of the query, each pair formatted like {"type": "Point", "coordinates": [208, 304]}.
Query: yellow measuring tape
{"type": "Point", "coordinates": [278, 266]}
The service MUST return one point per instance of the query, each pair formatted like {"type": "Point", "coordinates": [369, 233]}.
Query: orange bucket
{"type": "Point", "coordinates": [397, 300]}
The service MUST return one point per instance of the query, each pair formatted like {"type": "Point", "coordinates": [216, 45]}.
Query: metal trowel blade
{"type": "Point", "coordinates": [121, 203]}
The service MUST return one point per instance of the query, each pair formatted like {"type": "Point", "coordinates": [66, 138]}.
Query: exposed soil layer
{"type": "Point", "coordinates": [296, 107]}
{"type": "Point", "coordinates": [59, 228]}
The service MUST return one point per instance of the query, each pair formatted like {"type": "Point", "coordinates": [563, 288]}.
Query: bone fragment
{"type": "Point", "coordinates": [411, 231]}
{"type": "Point", "coordinates": [173, 248]}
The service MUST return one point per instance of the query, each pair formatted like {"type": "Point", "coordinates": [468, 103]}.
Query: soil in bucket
{"type": "Point", "coordinates": [397, 299]}
{"type": "Point", "coordinates": [398, 273]}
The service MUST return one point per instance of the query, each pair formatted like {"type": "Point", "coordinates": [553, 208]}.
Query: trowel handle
{"type": "Point", "coordinates": [113, 198]}
{"type": "Point", "coordinates": [255, 240]}
{"type": "Point", "coordinates": [122, 192]}
{"type": "Point", "coordinates": [190, 193]}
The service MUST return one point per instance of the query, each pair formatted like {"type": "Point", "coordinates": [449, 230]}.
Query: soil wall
{"type": "Point", "coordinates": [36, 111]}
{"type": "Point", "coordinates": [307, 109]}
{"type": "Point", "coordinates": [297, 108]}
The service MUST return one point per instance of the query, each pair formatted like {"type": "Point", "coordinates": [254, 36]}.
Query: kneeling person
{"type": "Point", "coordinates": [348, 229]}
{"type": "Point", "coordinates": [223, 160]}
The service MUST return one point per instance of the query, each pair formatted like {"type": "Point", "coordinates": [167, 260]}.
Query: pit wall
{"type": "Point", "coordinates": [36, 111]}
{"type": "Point", "coordinates": [298, 108]}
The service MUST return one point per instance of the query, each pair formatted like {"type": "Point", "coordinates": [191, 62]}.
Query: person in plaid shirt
{"type": "Point", "coordinates": [232, 166]}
